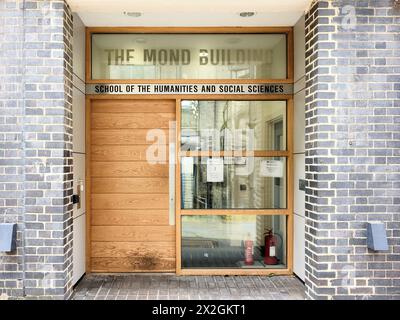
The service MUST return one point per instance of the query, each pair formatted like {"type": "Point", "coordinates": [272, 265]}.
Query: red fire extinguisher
{"type": "Point", "coordinates": [248, 251]}
{"type": "Point", "coordinates": [270, 248]}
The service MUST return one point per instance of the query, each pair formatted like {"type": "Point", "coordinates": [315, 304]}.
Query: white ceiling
{"type": "Point", "coordinates": [96, 13]}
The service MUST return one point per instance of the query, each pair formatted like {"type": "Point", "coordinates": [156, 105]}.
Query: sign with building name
{"type": "Point", "coordinates": [189, 56]}
{"type": "Point", "coordinates": [184, 57]}
{"type": "Point", "coordinates": [215, 170]}
{"type": "Point", "coordinates": [190, 89]}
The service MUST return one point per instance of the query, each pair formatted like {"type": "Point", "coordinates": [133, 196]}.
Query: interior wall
{"type": "Point", "coordinates": [78, 111]}
{"type": "Point", "coordinates": [299, 146]}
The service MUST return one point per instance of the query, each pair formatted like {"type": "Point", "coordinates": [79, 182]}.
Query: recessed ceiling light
{"type": "Point", "coordinates": [133, 14]}
{"type": "Point", "coordinates": [141, 40]}
{"type": "Point", "coordinates": [246, 14]}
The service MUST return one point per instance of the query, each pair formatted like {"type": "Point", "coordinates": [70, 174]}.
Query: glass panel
{"type": "Point", "coordinates": [233, 183]}
{"type": "Point", "coordinates": [189, 56]}
{"type": "Point", "coordinates": [234, 241]}
{"type": "Point", "coordinates": [233, 125]}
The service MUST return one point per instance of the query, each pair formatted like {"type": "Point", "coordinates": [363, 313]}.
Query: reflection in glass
{"type": "Point", "coordinates": [189, 56]}
{"type": "Point", "coordinates": [233, 183]}
{"type": "Point", "coordinates": [233, 241]}
{"type": "Point", "coordinates": [233, 125]}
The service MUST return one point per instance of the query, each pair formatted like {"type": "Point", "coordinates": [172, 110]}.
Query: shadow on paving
{"type": "Point", "coordinates": [172, 287]}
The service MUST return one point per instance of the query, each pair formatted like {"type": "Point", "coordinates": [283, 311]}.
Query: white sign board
{"type": "Point", "coordinates": [271, 168]}
{"type": "Point", "coordinates": [215, 170]}
{"type": "Point", "coordinates": [187, 166]}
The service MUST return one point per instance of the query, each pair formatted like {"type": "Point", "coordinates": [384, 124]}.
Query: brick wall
{"type": "Point", "coordinates": [36, 150]}
{"type": "Point", "coordinates": [11, 149]}
{"type": "Point", "coordinates": [352, 148]}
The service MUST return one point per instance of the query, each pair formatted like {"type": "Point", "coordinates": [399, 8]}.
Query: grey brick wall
{"type": "Point", "coordinates": [36, 147]}
{"type": "Point", "coordinates": [352, 148]}
{"type": "Point", "coordinates": [11, 149]}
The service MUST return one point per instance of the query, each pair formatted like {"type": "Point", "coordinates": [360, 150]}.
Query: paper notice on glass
{"type": "Point", "coordinates": [271, 168]}
{"type": "Point", "coordinates": [187, 165]}
{"type": "Point", "coordinates": [215, 170]}
{"type": "Point", "coordinates": [235, 160]}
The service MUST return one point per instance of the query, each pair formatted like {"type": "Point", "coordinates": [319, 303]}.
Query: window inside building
{"type": "Point", "coordinates": [234, 241]}
{"type": "Point", "coordinates": [233, 173]}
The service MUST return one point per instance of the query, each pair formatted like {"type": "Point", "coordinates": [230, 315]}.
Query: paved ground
{"type": "Point", "coordinates": [172, 287]}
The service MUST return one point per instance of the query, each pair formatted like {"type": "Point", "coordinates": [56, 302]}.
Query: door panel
{"type": "Point", "coordinates": [116, 153]}
{"type": "Point", "coordinates": [128, 169]}
{"type": "Point", "coordinates": [131, 121]}
{"type": "Point", "coordinates": [129, 217]}
{"type": "Point", "coordinates": [130, 229]}
{"type": "Point", "coordinates": [122, 136]}
{"type": "Point", "coordinates": [133, 233]}
{"type": "Point", "coordinates": [130, 201]}
{"type": "Point", "coordinates": [133, 264]}
{"type": "Point", "coordinates": [126, 185]}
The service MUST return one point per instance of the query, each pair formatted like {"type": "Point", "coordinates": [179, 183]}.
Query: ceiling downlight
{"type": "Point", "coordinates": [247, 14]}
{"type": "Point", "coordinates": [133, 14]}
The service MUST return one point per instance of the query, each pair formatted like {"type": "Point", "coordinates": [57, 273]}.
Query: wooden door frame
{"type": "Point", "coordinates": [288, 31]}
{"type": "Point", "coordinates": [288, 153]}
{"type": "Point", "coordinates": [288, 212]}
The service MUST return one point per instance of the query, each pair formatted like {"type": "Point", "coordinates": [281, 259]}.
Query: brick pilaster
{"type": "Point", "coordinates": [352, 148]}
{"type": "Point", "coordinates": [38, 159]}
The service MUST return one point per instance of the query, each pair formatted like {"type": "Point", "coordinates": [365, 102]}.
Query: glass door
{"type": "Point", "coordinates": [234, 190]}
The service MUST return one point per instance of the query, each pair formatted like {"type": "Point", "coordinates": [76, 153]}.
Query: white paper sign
{"type": "Point", "coordinates": [235, 160]}
{"type": "Point", "coordinates": [272, 251]}
{"type": "Point", "coordinates": [215, 170]}
{"type": "Point", "coordinates": [271, 168]}
{"type": "Point", "coordinates": [187, 166]}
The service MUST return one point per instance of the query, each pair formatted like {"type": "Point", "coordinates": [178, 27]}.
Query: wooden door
{"type": "Point", "coordinates": [130, 230]}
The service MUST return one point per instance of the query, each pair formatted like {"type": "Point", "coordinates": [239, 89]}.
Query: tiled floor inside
{"type": "Point", "coordinates": [172, 287]}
